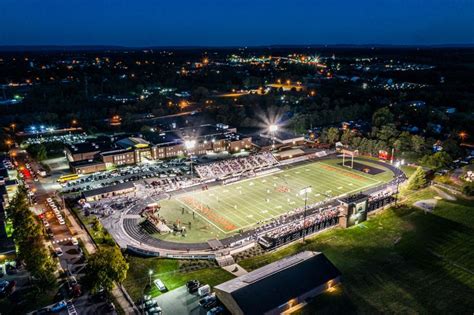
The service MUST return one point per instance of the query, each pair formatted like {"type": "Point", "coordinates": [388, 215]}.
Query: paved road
{"type": "Point", "coordinates": [72, 261]}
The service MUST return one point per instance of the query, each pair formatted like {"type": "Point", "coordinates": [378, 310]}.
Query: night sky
{"type": "Point", "coordinates": [235, 22]}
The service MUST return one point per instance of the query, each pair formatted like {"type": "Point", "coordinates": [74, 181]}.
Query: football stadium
{"type": "Point", "coordinates": [221, 210]}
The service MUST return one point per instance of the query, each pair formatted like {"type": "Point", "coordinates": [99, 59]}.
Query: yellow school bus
{"type": "Point", "coordinates": [66, 178]}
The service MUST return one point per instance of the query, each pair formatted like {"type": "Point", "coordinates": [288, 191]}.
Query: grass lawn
{"type": "Point", "coordinates": [224, 210]}
{"type": "Point", "coordinates": [400, 261]}
{"type": "Point", "coordinates": [408, 170]}
{"type": "Point", "coordinates": [101, 237]}
{"type": "Point", "coordinates": [169, 272]}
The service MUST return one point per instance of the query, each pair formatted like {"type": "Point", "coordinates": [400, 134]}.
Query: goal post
{"type": "Point", "coordinates": [350, 154]}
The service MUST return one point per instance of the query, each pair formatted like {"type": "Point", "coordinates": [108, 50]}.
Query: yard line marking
{"type": "Point", "coordinates": [350, 171]}
{"type": "Point", "coordinates": [201, 216]}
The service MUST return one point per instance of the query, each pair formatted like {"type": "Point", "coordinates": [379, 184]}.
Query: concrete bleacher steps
{"type": "Point", "coordinates": [225, 260]}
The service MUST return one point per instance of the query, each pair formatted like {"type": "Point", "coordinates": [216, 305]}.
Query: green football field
{"type": "Point", "coordinates": [241, 205]}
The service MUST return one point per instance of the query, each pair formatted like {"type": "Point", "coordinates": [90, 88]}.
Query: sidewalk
{"type": "Point", "coordinates": [119, 293]}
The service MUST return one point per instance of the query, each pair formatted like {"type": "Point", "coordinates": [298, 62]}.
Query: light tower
{"type": "Point", "coordinates": [273, 129]}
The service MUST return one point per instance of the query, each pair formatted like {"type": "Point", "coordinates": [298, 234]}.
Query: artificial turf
{"type": "Point", "coordinates": [223, 210]}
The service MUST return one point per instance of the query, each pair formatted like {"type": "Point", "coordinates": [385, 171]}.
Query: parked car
{"type": "Point", "coordinates": [216, 310]}
{"type": "Point", "coordinates": [10, 288]}
{"type": "Point", "coordinates": [59, 306]}
{"type": "Point", "coordinates": [160, 285]}
{"type": "Point", "coordinates": [3, 285]}
{"type": "Point", "coordinates": [72, 281]}
{"type": "Point", "coordinates": [193, 286]}
{"type": "Point", "coordinates": [154, 310]}
{"type": "Point", "coordinates": [58, 251]}
{"type": "Point", "coordinates": [206, 299]}
{"type": "Point", "coordinates": [10, 269]}
{"type": "Point", "coordinates": [110, 307]}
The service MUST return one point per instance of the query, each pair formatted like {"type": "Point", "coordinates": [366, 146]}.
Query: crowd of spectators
{"type": "Point", "coordinates": [225, 168]}
{"type": "Point", "coordinates": [283, 228]}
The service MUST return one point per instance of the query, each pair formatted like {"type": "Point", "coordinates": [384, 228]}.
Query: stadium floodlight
{"type": "Point", "coordinates": [273, 128]}
{"type": "Point", "coordinates": [190, 144]}
{"type": "Point", "coordinates": [305, 191]}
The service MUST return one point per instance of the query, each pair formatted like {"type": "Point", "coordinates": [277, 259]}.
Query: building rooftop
{"type": "Point", "coordinates": [132, 142]}
{"type": "Point", "coordinates": [89, 146]}
{"type": "Point", "coordinates": [108, 189]}
{"type": "Point", "coordinates": [85, 162]}
{"type": "Point", "coordinates": [268, 287]}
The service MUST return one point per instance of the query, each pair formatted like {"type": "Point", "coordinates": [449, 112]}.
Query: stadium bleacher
{"type": "Point", "coordinates": [226, 168]}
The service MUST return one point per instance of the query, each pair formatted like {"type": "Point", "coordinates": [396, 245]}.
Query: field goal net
{"type": "Point", "coordinates": [350, 155]}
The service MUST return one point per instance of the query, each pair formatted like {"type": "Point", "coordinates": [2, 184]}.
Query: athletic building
{"type": "Point", "coordinates": [98, 155]}
{"type": "Point", "coordinates": [279, 286]}
{"type": "Point", "coordinates": [109, 191]}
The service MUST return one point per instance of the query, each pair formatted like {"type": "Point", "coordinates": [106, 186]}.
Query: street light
{"type": "Point", "coordinates": [463, 135]}
{"type": "Point", "coordinates": [305, 192]}
{"type": "Point", "coordinates": [150, 272]}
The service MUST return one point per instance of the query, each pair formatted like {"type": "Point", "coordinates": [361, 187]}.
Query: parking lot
{"type": "Point", "coordinates": [167, 172]}
{"type": "Point", "coordinates": [179, 301]}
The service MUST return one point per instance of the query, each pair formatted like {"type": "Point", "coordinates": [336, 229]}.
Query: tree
{"type": "Point", "coordinates": [403, 143]}
{"type": "Point", "coordinates": [346, 137]}
{"type": "Point", "coordinates": [387, 132]}
{"type": "Point", "coordinates": [418, 144]}
{"type": "Point", "coordinates": [452, 147]}
{"type": "Point", "coordinates": [29, 239]}
{"type": "Point", "coordinates": [333, 135]}
{"type": "Point", "coordinates": [417, 180]}
{"type": "Point", "coordinates": [468, 189]}
{"type": "Point", "coordinates": [382, 117]}
{"type": "Point", "coordinates": [105, 267]}
{"type": "Point", "coordinates": [438, 160]}
{"type": "Point", "coordinates": [96, 225]}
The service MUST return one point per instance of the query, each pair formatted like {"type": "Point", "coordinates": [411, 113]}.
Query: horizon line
{"type": "Point", "coordinates": [108, 46]}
